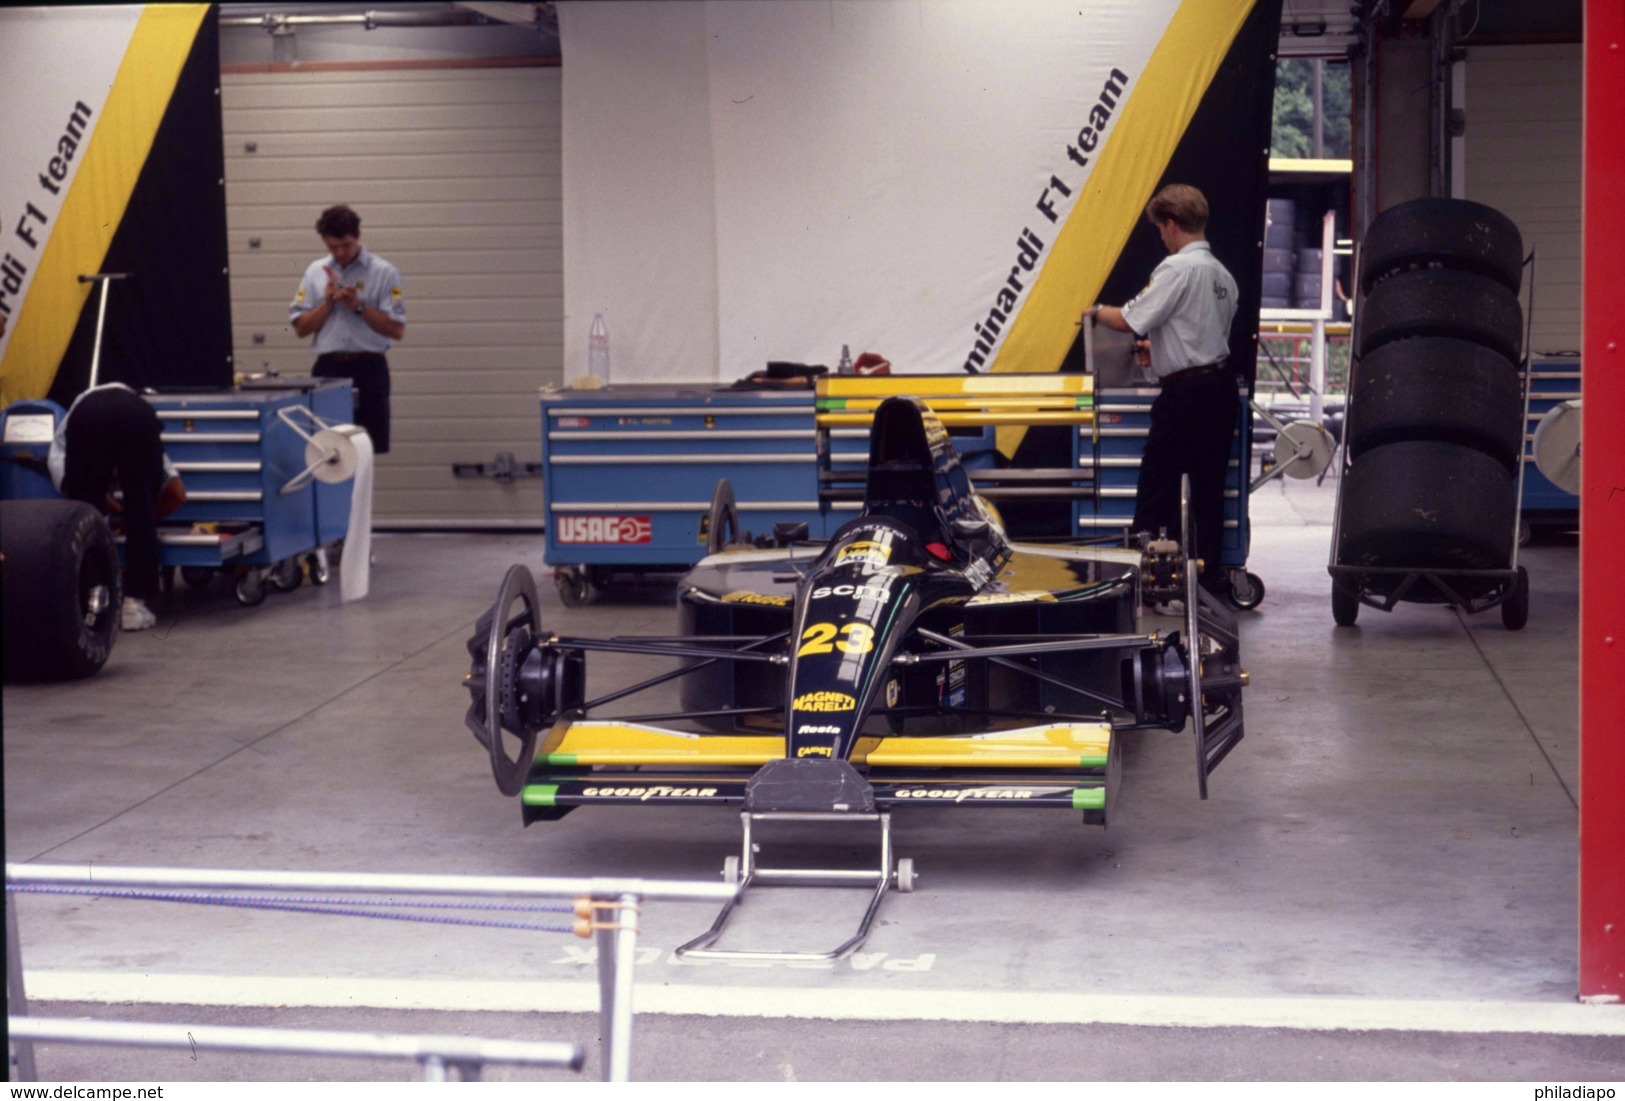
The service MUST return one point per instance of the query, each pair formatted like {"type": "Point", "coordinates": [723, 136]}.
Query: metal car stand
{"type": "Point", "coordinates": [745, 870]}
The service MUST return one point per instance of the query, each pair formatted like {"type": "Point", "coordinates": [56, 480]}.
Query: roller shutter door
{"type": "Point", "coordinates": [1523, 158]}
{"type": "Point", "coordinates": [456, 175]}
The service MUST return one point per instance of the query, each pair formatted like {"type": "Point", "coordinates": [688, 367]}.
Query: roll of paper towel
{"type": "Point", "coordinates": [351, 449]}
{"type": "Point", "coordinates": [332, 453]}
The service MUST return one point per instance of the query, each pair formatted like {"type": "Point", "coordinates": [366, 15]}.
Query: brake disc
{"type": "Point", "coordinates": [508, 640]}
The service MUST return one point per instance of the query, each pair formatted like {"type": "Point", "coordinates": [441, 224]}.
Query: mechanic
{"type": "Point", "coordinates": [351, 299]}
{"type": "Point", "coordinates": [112, 437]}
{"type": "Point", "coordinates": [1185, 312]}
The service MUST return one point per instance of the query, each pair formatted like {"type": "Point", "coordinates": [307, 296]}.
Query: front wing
{"type": "Point", "coordinates": [1071, 765]}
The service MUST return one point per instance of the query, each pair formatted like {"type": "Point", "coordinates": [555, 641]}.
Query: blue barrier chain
{"type": "Point", "coordinates": [339, 907]}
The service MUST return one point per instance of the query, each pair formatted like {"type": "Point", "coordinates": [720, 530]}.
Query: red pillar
{"type": "Point", "coordinates": [1602, 513]}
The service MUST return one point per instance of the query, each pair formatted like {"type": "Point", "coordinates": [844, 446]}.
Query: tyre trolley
{"type": "Point", "coordinates": [1431, 486]}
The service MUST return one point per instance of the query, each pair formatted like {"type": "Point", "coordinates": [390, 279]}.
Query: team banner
{"type": "Point", "coordinates": [949, 189]}
{"type": "Point", "coordinates": [114, 164]}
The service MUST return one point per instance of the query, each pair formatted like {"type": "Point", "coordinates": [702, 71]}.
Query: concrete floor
{"type": "Point", "coordinates": [1381, 885]}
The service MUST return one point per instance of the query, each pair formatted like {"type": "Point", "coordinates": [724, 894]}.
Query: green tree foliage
{"type": "Point", "coordinates": [1293, 130]}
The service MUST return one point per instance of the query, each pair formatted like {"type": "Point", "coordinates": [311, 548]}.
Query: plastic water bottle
{"type": "Point", "coordinates": [598, 348]}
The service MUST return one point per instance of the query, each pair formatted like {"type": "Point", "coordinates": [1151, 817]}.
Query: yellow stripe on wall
{"type": "Point", "coordinates": [1154, 118]}
{"type": "Point", "coordinates": [95, 203]}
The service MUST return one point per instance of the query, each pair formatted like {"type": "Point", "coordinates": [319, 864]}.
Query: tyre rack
{"type": "Point", "coordinates": [846, 406]}
{"type": "Point", "coordinates": [1350, 584]}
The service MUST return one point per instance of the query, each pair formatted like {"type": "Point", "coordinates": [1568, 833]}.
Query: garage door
{"type": "Point", "coordinates": [1523, 158]}
{"type": "Point", "coordinates": [455, 173]}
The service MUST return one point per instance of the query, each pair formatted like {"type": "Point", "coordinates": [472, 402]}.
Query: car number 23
{"type": "Point", "coordinates": [821, 638]}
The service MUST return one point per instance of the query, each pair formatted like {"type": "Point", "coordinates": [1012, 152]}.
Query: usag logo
{"type": "Point", "coordinates": [603, 529]}
{"type": "Point", "coordinates": [824, 701]}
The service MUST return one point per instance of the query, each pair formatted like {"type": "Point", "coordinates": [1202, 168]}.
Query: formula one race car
{"type": "Point", "coordinates": [917, 657]}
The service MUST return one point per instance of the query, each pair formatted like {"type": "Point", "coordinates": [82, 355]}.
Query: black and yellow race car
{"type": "Point", "coordinates": [918, 657]}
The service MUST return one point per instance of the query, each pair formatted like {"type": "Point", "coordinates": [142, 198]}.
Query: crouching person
{"type": "Point", "coordinates": [112, 439]}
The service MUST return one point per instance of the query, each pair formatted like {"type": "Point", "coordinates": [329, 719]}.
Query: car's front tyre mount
{"type": "Point", "coordinates": [1213, 661]}
{"type": "Point", "coordinates": [513, 680]}
{"type": "Point", "coordinates": [722, 520]}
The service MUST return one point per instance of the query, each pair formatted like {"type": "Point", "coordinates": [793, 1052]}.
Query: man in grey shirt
{"type": "Point", "coordinates": [1185, 312]}
{"type": "Point", "coordinates": [352, 301]}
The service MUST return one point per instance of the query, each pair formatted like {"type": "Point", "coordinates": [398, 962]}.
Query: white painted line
{"type": "Point", "coordinates": [1314, 1014]}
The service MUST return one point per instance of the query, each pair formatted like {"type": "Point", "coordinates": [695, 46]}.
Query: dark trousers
{"type": "Point", "coordinates": [1192, 425]}
{"type": "Point", "coordinates": [369, 372]}
{"type": "Point", "coordinates": [115, 434]}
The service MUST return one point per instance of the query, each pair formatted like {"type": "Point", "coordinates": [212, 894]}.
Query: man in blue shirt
{"type": "Point", "coordinates": [1185, 312]}
{"type": "Point", "coordinates": [351, 301]}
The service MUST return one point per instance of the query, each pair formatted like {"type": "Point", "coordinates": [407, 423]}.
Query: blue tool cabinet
{"type": "Point", "coordinates": [628, 474]}
{"type": "Point", "coordinates": [1551, 381]}
{"type": "Point", "coordinates": [235, 454]}
{"type": "Point", "coordinates": [1122, 422]}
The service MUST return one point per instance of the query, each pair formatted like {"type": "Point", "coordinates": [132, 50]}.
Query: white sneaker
{"type": "Point", "coordinates": [135, 615]}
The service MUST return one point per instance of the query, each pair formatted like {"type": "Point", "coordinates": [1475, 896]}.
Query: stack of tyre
{"type": "Point", "coordinates": [1293, 269]}
{"type": "Point", "coordinates": [1435, 420]}
{"type": "Point", "coordinates": [1280, 254]}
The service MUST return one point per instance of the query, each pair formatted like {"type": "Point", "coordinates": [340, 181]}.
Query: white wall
{"type": "Point", "coordinates": [640, 239]}
{"type": "Point", "coordinates": [1523, 146]}
{"type": "Point", "coordinates": [750, 182]}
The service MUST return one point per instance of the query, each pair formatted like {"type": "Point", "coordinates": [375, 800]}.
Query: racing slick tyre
{"type": "Point", "coordinates": [61, 589]}
{"type": "Point", "coordinates": [1515, 608]}
{"type": "Point", "coordinates": [1280, 260]}
{"type": "Point", "coordinates": [1345, 606]}
{"type": "Point", "coordinates": [1424, 505]}
{"type": "Point", "coordinates": [722, 522]}
{"type": "Point", "coordinates": [1451, 233]}
{"type": "Point", "coordinates": [1437, 388]}
{"type": "Point", "coordinates": [1440, 302]}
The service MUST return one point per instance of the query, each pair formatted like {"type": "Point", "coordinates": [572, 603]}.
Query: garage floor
{"type": "Point", "coordinates": [1381, 885]}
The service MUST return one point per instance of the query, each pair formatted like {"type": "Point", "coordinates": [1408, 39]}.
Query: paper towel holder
{"type": "Point", "coordinates": [329, 451]}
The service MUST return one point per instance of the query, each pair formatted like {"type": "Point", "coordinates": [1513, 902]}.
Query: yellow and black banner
{"type": "Point", "coordinates": [1200, 115]}
{"type": "Point", "coordinates": [114, 164]}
